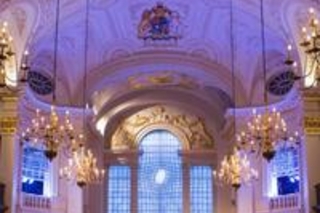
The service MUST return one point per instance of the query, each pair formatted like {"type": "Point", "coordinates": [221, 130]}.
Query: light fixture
{"type": "Point", "coordinates": [267, 129]}
{"type": "Point", "coordinates": [82, 168]}
{"type": "Point", "coordinates": [7, 58]}
{"type": "Point", "coordinates": [235, 170]}
{"type": "Point", "coordinates": [310, 44]}
{"type": "Point", "coordinates": [265, 133]}
{"type": "Point", "coordinates": [52, 131]}
{"type": "Point", "coordinates": [82, 165]}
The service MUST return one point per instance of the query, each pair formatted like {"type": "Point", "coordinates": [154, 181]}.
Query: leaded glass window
{"type": "Point", "coordinates": [119, 192]}
{"type": "Point", "coordinates": [160, 174]}
{"type": "Point", "coordinates": [35, 171]}
{"type": "Point", "coordinates": [201, 196]}
{"type": "Point", "coordinates": [285, 172]}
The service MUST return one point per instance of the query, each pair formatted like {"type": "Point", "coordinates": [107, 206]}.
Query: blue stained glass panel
{"type": "Point", "coordinates": [201, 195]}
{"type": "Point", "coordinates": [160, 174]}
{"type": "Point", "coordinates": [119, 192]}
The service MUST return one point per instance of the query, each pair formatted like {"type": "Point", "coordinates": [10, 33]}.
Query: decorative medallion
{"type": "Point", "coordinates": [160, 23]}
{"type": "Point", "coordinates": [281, 83]}
{"type": "Point", "coordinates": [39, 83]}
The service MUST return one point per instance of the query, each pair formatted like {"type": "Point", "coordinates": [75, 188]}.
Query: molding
{"type": "Point", "coordinates": [312, 125]}
{"type": "Point", "coordinates": [8, 125]}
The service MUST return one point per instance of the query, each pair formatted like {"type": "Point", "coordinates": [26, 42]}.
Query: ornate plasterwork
{"type": "Point", "coordinates": [166, 78]}
{"type": "Point", "coordinates": [8, 125]}
{"type": "Point", "coordinates": [191, 128]}
{"type": "Point", "coordinates": [312, 125]}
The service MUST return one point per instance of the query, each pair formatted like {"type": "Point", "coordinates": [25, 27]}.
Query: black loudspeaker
{"type": "Point", "coordinates": [317, 207]}
{"type": "Point", "coordinates": [3, 208]}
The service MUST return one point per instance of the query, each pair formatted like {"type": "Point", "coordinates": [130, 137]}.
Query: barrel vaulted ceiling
{"type": "Point", "coordinates": [124, 70]}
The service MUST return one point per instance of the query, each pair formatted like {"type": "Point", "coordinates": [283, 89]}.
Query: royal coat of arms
{"type": "Point", "coordinates": [160, 23]}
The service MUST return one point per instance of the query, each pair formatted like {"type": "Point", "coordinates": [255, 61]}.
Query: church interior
{"type": "Point", "coordinates": [149, 106]}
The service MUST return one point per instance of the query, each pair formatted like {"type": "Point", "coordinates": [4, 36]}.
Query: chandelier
{"type": "Point", "coordinates": [82, 168]}
{"type": "Point", "coordinates": [265, 133]}
{"type": "Point", "coordinates": [52, 132]}
{"type": "Point", "coordinates": [310, 44]}
{"type": "Point", "coordinates": [82, 165]}
{"type": "Point", "coordinates": [6, 58]}
{"type": "Point", "coordinates": [267, 130]}
{"type": "Point", "coordinates": [235, 170]}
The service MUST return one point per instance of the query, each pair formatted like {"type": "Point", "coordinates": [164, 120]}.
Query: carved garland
{"type": "Point", "coordinates": [192, 127]}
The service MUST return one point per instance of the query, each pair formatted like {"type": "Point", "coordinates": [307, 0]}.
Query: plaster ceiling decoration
{"type": "Point", "coordinates": [165, 78]}
{"type": "Point", "coordinates": [189, 127]}
{"type": "Point", "coordinates": [113, 36]}
{"type": "Point", "coordinates": [126, 76]}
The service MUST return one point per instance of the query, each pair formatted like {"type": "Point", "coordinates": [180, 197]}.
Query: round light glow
{"type": "Point", "coordinates": [160, 176]}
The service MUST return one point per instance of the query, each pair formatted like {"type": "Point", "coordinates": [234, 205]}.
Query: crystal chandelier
{"type": "Point", "coordinates": [235, 170]}
{"type": "Point", "coordinates": [310, 43]}
{"type": "Point", "coordinates": [6, 57]}
{"type": "Point", "coordinates": [82, 168]}
{"type": "Point", "coordinates": [52, 132]}
{"type": "Point", "coordinates": [265, 131]}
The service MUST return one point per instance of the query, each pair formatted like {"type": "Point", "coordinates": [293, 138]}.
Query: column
{"type": "Point", "coordinates": [186, 187]}
{"type": "Point", "coordinates": [105, 190]}
{"type": "Point", "coordinates": [311, 149]}
{"type": "Point", "coordinates": [9, 150]}
{"type": "Point", "coordinates": [134, 188]}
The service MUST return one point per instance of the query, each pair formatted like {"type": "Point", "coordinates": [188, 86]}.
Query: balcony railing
{"type": "Point", "coordinates": [286, 202]}
{"type": "Point", "coordinates": [35, 202]}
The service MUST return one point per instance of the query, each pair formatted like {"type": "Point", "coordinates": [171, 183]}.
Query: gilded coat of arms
{"type": "Point", "coordinates": [160, 23]}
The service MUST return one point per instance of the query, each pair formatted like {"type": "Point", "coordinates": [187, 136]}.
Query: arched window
{"type": "Point", "coordinates": [160, 174]}
{"type": "Point", "coordinates": [162, 185]}
{"type": "Point", "coordinates": [284, 172]}
{"type": "Point", "coordinates": [36, 178]}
